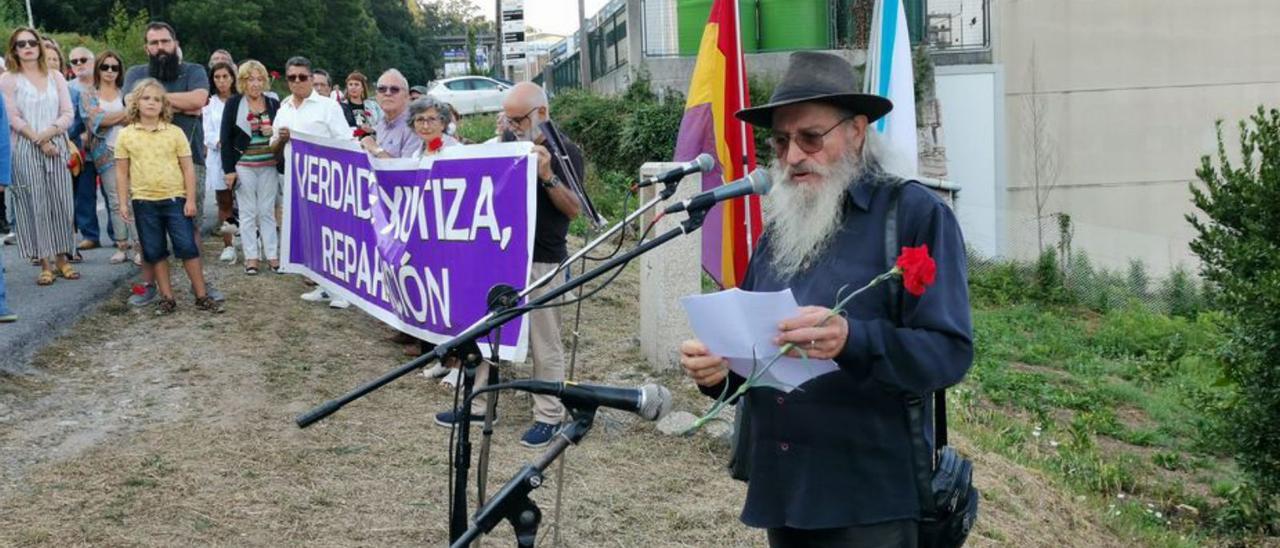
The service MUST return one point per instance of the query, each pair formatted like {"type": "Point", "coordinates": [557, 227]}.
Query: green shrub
{"type": "Point", "coordinates": [1237, 235]}
{"type": "Point", "coordinates": [998, 283]}
{"type": "Point", "coordinates": [1138, 279]}
{"type": "Point", "coordinates": [1179, 292]}
{"type": "Point", "coordinates": [1048, 278]}
{"type": "Point", "coordinates": [1135, 332]}
{"type": "Point", "coordinates": [478, 128]}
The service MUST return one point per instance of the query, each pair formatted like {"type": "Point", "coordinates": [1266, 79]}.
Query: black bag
{"type": "Point", "coordinates": [944, 479]}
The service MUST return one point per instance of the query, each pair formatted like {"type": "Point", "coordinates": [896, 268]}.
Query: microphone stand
{"type": "Point", "coordinates": [488, 323]}
{"type": "Point", "coordinates": [512, 502]}
{"type": "Point", "coordinates": [511, 298]}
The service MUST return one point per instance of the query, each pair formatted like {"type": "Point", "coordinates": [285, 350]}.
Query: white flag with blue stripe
{"type": "Point", "coordinates": [889, 74]}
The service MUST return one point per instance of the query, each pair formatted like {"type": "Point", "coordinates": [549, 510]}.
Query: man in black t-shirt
{"type": "Point", "coordinates": [526, 107]}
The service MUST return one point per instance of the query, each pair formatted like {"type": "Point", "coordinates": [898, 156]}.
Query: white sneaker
{"type": "Point", "coordinates": [339, 304]}
{"type": "Point", "coordinates": [315, 295]}
{"type": "Point", "coordinates": [10, 238]}
{"type": "Point", "coordinates": [228, 255]}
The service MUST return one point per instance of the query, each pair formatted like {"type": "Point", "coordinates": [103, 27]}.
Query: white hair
{"type": "Point", "coordinates": [802, 221]}
{"type": "Point", "coordinates": [396, 75]}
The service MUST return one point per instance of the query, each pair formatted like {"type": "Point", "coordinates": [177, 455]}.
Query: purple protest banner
{"type": "Point", "coordinates": [414, 243]}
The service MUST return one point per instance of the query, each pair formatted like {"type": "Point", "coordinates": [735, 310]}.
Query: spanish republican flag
{"type": "Point", "coordinates": [716, 91]}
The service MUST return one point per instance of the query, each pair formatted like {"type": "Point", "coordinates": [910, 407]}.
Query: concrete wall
{"type": "Point", "coordinates": [1130, 91]}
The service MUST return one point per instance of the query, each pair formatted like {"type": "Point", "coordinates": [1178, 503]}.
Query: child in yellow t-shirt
{"type": "Point", "coordinates": [154, 169]}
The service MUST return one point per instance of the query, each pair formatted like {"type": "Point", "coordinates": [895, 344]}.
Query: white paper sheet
{"type": "Point", "coordinates": [740, 324]}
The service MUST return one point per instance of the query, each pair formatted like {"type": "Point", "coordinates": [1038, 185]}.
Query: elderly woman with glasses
{"type": "Point", "coordinates": [429, 119]}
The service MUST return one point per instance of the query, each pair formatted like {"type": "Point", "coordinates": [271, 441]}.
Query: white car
{"type": "Point", "coordinates": [470, 94]}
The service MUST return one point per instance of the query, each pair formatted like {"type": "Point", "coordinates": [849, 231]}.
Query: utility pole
{"type": "Point", "coordinates": [497, 56]}
{"type": "Point", "coordinates": [584, 55]}
{"type": "Point", "coordinates": [31, 20]}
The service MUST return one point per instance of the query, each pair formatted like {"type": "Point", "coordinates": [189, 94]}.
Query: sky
{"type": "Point", "coordinates": [554, 16]}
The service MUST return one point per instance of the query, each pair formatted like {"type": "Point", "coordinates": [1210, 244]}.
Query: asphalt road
{"type": "Point", "coordinates": [45, 313]}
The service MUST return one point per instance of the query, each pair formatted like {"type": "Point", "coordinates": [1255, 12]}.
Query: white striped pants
{"type": "Point", "coordinates": [42, 200]}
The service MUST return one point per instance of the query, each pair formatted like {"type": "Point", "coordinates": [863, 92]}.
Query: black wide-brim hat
{"type": "Point", "coordinates": [817, 77]}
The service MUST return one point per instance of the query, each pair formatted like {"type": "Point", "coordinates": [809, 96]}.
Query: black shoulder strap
{"type": "Point", "coordinates": [924, 459]}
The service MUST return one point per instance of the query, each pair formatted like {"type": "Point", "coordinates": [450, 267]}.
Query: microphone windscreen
{"type": "Point", "coordinates": [656, 402]}
{"type": "Point", "coordinates": [761, 182]}
{"type": "Point", "coordinates": [705, 162]}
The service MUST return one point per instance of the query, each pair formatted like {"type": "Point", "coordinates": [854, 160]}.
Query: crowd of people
{"type": "Point", "coordinates": [837, 464]}
{"type": "Point", "coordinates": [154, 139]}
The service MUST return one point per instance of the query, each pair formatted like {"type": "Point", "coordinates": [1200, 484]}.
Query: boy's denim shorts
{"type": "Point", "coordinates": [158, 219]}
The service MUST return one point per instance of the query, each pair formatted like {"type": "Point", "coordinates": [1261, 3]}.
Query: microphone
{"type": "Point", "coordinates": [757, 182]}
{"type": "Point", "coordinates": [650, 401]}
{"type": "Point", "coordinates": [704, 162]}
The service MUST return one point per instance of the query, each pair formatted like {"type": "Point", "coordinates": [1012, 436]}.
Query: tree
{"type": "Point", "coordinates": [1043, 170]}
{"type": "Point", "coordinates": [1238, 242]}
{"type": "Point", "coordinates": [125, 34]}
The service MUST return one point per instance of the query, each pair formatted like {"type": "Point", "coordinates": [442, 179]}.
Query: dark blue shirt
{"type": "Point", "coordinates": [836, 451]}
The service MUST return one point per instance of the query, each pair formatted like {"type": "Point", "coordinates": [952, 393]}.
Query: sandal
{"type": "Point", "coordinates": [67, 272]}
{"type": "Point", "coordinates": [166, 307]}
{"type": "Point", "coordinates": [251, 270]}
{"type": "Point", "coordinates": [45, 278]}
{"type": "Point", "coordinates": [75, 258]}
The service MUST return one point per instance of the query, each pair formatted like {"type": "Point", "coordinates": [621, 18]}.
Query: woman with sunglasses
{"type": "Point", "coordinates": [38, 106]}
{"type": "Point", "coordinates": [103, 112]}
{"type": "Point", "coordinates": [222, 77]}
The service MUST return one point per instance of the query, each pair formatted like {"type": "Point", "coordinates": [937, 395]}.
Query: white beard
{"type": "Point", "coordinates": [801, 220]}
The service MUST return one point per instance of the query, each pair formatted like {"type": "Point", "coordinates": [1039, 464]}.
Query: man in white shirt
{"type": "Point", "coordinates": [306, 111]}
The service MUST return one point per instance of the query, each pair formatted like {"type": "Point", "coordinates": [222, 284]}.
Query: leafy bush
{"type": "Point", "coordinates": [1179, 291]}
{"type": "Point", "coordinates": [1236, 241]}
{"type": "Point", "coordinates": [478, 128]}
{"type": "Point", "coordinates": [998, 283]}
{"type": "Point", "coordinates": [1049, 281]}
{"type": "Point", "coordinates": [1158, 340]}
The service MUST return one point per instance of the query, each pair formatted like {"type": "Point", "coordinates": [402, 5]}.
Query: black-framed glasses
{"type": "Point", "coordinates": [809, 141]}
{"type": "Point", "coordinates": [109, 68]}
{"type": "Point", "coordinates": [428, 120]}
{"type": "Point", "coordinates": [298, 77]}
{"type": "Point", "coordinates": [77, 61]}
{"type": "Point", "coordinates": [23, 44]}
{"type": "Point", "coordinates": [389, 90]}
{"type": "Point", "coordinates": [518, 121]}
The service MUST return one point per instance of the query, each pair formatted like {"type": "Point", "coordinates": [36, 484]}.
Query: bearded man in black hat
{"type": "Point", "coordinates": [831, 462]}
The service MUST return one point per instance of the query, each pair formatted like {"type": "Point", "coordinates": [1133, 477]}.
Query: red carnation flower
{"type": "Point", "coordinates": [359, 133]}
{"type": "Point", "coordinates": [435, 144]}
{"type": "Point", "coordinates": [275, 75]}
{"type": "Point", "coordinates": [138, 289]}
{"type": "Point", "coordinates": [918, 269]}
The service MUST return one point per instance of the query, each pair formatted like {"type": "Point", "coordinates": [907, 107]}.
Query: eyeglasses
{"type": "Point", "coordinates": [109, 68]}
{"type": "Point", "coordinates": [23, 44]}
{"type": "Point", "coordinates": [519, 120]}
{"type": "Point", "coordinates": [77, 61]}
{"type": "Point", "coordinates": [808, 141]}
{"type": "Point", "coordinates": [390, 90]}
{"type": "Point", "coordinates": [298, 77]}
{"type": "Point", "coordinates": [428, 120]}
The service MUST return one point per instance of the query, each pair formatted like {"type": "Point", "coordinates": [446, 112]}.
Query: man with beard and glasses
{"type": "Point", "coordinates": [831, 463]}
{"type": "Point", "coordinates": [525, 107]}
{"type": "Point", "coordinates": [187, 89]}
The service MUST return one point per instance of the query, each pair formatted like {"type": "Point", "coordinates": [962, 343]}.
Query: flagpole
{"type": "Point", "coordinates": [741, 77]}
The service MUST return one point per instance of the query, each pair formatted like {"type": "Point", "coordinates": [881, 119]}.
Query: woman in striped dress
{"type": "Point", "coordinates": [249, 166]}
{"type": "Point", "coordinates": [38, 105]}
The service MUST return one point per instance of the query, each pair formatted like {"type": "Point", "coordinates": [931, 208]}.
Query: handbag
{"type": "Point", "coordinates": [75, 160]}
{"type": "Point", "coordinates": [944, 479]}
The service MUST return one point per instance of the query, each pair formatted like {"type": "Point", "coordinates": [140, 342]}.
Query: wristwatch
{"type": "Point", "coordinates": [551, 183]}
